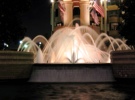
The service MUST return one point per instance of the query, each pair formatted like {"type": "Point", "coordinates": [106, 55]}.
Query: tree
{"type": "Point", "coordinates": [11, 29]}
{"type": "Point", "coordinates": [127, 25]}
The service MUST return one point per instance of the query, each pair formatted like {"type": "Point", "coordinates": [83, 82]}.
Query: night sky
{"type": "Point", "coordinates": [37, 19]}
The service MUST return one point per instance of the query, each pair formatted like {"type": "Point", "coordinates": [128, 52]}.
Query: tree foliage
{"type": "Point", "coordinates": [127, 26]}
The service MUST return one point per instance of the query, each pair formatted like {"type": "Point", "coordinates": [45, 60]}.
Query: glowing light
{"type": "Point", "coordinates": [52, 1]}
{"type": "Point", "coordinates": [5, 44]}
{"type": "Point", "coordinates": [25, 46]}
{"type": "Point", "coordinates": [21, 42]}
{"type": "Point", "coordinates": [40, 43]}
{"type": "Point", "coordinates": [104, 0]}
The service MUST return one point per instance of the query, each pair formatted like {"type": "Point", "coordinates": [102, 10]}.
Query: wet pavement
{"type": "Point", "coordinates": [67, 91]}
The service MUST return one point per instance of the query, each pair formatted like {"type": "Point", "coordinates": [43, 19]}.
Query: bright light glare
{"type": "Point", "coordinates": [104, 0]}
{"type": "Point", "coordinates": [5, 44]}
{"type": "Point", "coordinates": [52, 0]}
{"type": "Point", "coordinates": [21, 42]}
{"type": "Point", "coordinates": [25, 46]}
{"type": "Point", "coordinates": [40, 43]}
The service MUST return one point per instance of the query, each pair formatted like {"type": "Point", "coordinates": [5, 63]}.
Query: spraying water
{"type": "Point", "coordinates": [73, 45]}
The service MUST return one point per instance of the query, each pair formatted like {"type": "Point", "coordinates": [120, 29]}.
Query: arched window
{"type": "Point", "coordinates": [76, 11]}
{"type": "Point", "coordinates": [76, 14]}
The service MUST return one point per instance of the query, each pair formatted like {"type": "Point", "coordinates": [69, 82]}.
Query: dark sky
{"type": "Point", "coordinates": [37, 19]}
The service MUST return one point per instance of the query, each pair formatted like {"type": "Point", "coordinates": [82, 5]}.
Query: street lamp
{"type": "Point", "coordinates": [104, 2]}
{"type": "Point", "coordinates": [52, 1]}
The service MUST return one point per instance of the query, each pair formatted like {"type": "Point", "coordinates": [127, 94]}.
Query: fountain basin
{"type": "Point", "coordinates": [123, 63]}
{"type": "Point", "coordinates": [15, 64]}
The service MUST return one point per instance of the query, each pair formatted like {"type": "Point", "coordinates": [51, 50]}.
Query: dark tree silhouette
{"type": "Point", "coordinates": [11, 29]}
{"type": "Point", "coordinates": [127, 26]}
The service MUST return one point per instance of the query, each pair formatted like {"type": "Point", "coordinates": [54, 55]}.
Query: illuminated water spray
{"type": "Point", "coordinates": [73, 45]}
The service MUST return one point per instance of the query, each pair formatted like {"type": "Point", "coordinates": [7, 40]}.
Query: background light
{"type": "Point", "coordinates": [52, 0]}
{"type": "Point", "coordinates": [40, 43]}
{"type": "Point", "coordinates": [25, 46]}
{"type": "Point", "coordinates": [21, 42]}
{"type": "Point", "coordinates": [5, 44]}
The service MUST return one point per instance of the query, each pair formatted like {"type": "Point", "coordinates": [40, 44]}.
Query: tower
{"type": "Point", "coordinates": [63, 13]}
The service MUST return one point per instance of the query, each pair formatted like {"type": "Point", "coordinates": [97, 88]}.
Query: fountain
{"type": "Point", "coordinates": [74, 45]}
{"type": "Point", "coordinates": [70, 45]}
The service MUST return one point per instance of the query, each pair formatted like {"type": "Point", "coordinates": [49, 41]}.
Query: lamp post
{"type": "Point", "coordinates": [105, 19]}
{"type": "Point", "coordinates": [101, 22]}
{"type": "Point", "coordinates": [104, 2]}
{"type": "Point", "coordinates": [52, 14]}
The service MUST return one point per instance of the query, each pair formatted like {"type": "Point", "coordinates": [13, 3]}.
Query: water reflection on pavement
{"type": "Point", "coordinates": [67, 91]}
